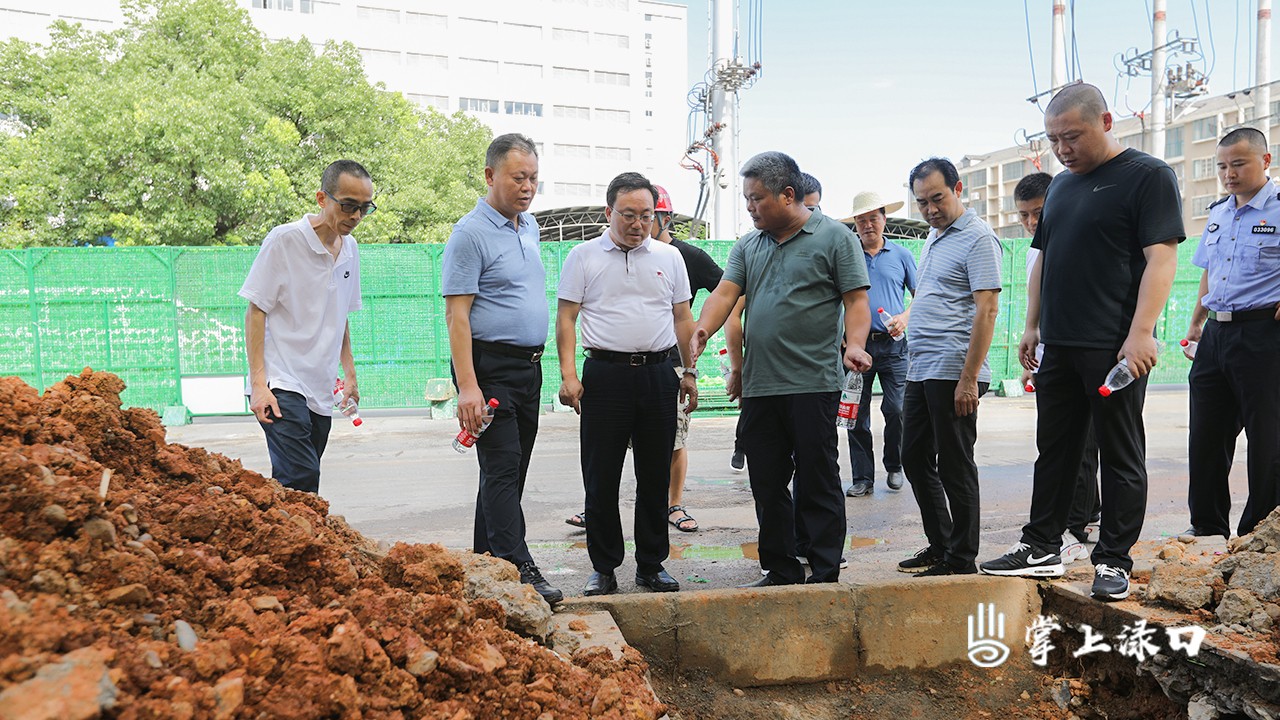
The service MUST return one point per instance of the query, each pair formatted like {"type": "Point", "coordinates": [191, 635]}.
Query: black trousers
{"type": "Point", "coordinates": [1085, 505]}
{"type": "Point", "coordinates": [1235, 384]}
{"type": "Point", "coordinates": [786, 436]}
{"type": "Point", "coordinates": [503, 452]}
{"type": "Point", "coordinates": [1066, 399]}
{"type": "Point", "coordinates": [621, 403]}
{"type": "Point", "coordinates": [889, 362]}
{"type": "Point", "coordinates": [937, 456]}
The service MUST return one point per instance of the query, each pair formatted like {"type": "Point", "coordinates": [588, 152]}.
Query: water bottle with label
{"type": "Point", "coordinates": [850, 396]}
{"type": "Point", "coordinates": [346, 407]}
{"type": "Point", "coordinates": [885, 317]}
{"type": "Point", "coordinates": [465, 438]}
{"type": "Point", "coordinates": [725, 367]}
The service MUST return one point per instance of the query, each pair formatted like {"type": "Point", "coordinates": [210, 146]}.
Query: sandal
{"type": "Point", "coordinates": [685, 517]}
{"type": "Point", "coordinates": [578, 519]}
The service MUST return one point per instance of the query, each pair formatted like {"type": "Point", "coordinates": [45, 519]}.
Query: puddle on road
{"type": "Point", "coordinates": [691, 551]}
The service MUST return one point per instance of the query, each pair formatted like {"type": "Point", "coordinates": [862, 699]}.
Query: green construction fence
{"type": "Point", "coordinates": [164, 315]}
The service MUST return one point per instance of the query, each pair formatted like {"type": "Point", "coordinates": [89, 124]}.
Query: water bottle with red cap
{"type": "Point", "coordinates": [1119, 378]}
{"type": "Point", "coordinates": [466, 438]}
{"type": "Point", "coordinates": [346, 406]}
{"type": "Point", "coordinates": [885, 317]}
{"type": "Point", "coordinates": [850, 398]}
{"type": "Point", "coordinates": [1189, 347]}
{"type": "Point", "coordinates": [725, 366]}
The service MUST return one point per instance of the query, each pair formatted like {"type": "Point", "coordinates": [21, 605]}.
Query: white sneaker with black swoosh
{"type": "Point", "coordinates": [1024, 561]}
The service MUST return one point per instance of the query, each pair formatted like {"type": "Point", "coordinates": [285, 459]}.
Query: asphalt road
{"type": "Point", "coordinates": [397, 478]}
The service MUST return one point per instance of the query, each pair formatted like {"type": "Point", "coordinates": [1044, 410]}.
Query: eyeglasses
{"type": "Point", "coordinates": [350, 208]}
{"type": "Point", "coordinates": [630, 218]}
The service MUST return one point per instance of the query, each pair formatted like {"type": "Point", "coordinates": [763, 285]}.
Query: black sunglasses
{"type": "Point", "coordinates": [351, 208]}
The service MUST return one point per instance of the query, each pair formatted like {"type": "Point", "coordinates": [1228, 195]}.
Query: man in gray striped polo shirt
{"type": "Point", "coordinates": [952, 317]}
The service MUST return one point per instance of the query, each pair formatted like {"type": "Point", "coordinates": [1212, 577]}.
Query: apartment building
{"type": "Point", "coordinates": [1191, 139]}
{"type": "Point", "coordinates": [600, 85]}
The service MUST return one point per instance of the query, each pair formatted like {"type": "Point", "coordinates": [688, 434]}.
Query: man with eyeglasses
{"type": "Point", "coordinates": [494, 288]}
{"type": "Point", "coordinates": [632, 293]}
{"type": "Point", "coordinates": [301, 287]}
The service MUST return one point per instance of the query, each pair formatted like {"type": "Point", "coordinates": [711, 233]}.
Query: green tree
{"type": "Point", "coordinates": [187, 127]}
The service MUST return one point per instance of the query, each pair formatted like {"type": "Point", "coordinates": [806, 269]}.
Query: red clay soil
{"type": "Point", "coordinates": [296, 615]}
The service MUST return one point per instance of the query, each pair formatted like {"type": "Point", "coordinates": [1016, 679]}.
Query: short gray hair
{"type": "Point", "coordinates": [776, 171]}
{"type": "Point", "coordinates": [504, 144]}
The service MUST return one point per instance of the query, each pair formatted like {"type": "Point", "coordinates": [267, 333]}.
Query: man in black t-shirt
{"type": "Point", "coordinates": [1108, 237]}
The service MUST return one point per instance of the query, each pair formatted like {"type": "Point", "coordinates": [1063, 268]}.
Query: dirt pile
{"type": "Point", "coordinates": [140, 579]}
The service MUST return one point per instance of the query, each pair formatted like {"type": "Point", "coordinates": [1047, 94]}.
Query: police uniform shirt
{"type": "Point", "coordinates": [1240, 250]}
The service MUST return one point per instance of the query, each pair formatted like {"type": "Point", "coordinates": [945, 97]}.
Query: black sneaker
{"type": "Point", "coordinates": [738, 462]}
{"type": "Point", "coordinates": [942, 569]}
{"type": "Point", "coordinates": [530, 575]}
{"type": "Point", "coordinates": [1110, 583]}
{"type": "Point", "coordinates": [859, 488]}
{"type": "Point", "coordinates": [894, 480]}
{"type": "Point", "coordinates": [922, 560]}
{"type": "Point", "coordinates": [1024, 561]}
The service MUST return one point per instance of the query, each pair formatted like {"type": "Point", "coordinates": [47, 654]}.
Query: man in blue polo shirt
{"type": "Point", "coordinates": [953, 318]}
{"type": "Point", "coordinates": [892, 270]}
{"type": "Point", "coordinates": [1234, 383]}
{"type": "Point", "coordinates": [496, 310]}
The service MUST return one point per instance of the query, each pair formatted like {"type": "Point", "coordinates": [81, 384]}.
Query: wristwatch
{"type": "Point", "coordinates": [690, 371]}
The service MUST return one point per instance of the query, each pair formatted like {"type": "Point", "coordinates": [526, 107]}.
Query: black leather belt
{"type": "Point", "coordinates": [1244, 315]}
{"type": "Point", "coordinates": [528, 354]}
{"type": "Point", "coordinates": [879, 336]}
{"type": "Point", "coordinates": [633, 359]}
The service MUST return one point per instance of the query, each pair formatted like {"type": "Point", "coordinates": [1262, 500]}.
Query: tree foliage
{"type": "Point", "coordinates": [186, 126]}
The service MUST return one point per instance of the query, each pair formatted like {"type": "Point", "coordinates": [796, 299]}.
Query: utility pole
{"type": "Point", "coordinates": [1262, 95]}
{"type": "Point", "coordinates": [726, 194]}
{"type": "Point", "coordinates": [1057, 70]}
{"type": "Point", "coordinates": [1158, 60]}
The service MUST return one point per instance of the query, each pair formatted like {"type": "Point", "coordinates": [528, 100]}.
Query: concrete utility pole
{"type": "Point", "coordinates": [726, 189]}
{"type": "Point", "coordinates": [1157, 79]}
{"type": "Point", "coordinates": [1057, 69]}
{"type": "Point", "coordinates": [1262, 96]}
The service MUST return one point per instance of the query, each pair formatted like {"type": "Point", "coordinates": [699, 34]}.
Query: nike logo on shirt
{"type": "Point", "coordinates": [1096, 188]}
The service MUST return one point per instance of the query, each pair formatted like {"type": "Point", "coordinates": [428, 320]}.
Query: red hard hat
{"type": "Point", "coordinates": [664, 200]}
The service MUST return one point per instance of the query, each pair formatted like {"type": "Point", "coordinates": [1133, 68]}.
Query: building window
{"type": "Point", "coordinates": [1202, 168]}
{"type": "Point", "coordinates": [1204, 129]}
{"type": "Point", "coordinates": [485, 29]}
{"type": "Point", "coordinates": [439, 102]}
{"type": "Point", "coordinates": [286, 5]}
{"type": "Point", "coordinates": [1180, 172]}
{"type": "Point", "coordinates": [478, 67]}
{"type": "Point", "coordinates": [380, 57]}
{"type": "Point", "coordinates": [478, 105]}
{"type": "Point", "coordinates": [1014, 170]}
{"type": "Point", "coordinates": [570, 37]}
{"type": "Point", "coordinates": [571, 112]}
{"type": "Point", "coordinates": [571, 74]}
{"type": "Point", "coordinates": [517, 32]}
{"type": "Point", "coordinates": [612, 78]}
{"type": "Point", "coordinates": [1173, 142]}
{"type": "Point", "coordinates": [317, 7]}
{"type": "Point", "coordinates": [427, 20]}
{"type": "Point", "coordinates": [976, 179]}
{"type": "Point", "coordinates": [614, 116]}
{"type": "Point", "coordinates": [522, 71]}
{"type": "Point", "coordinates": [1200, 205]}
{"type": "Point", "coordinates": [613, 40]}
{"type": "Point", "coordinates": [572, 189]}
{"type": "Point", "coordinates": [612, 153]}
{"type": "Point", "coordinates": [378, 14]}
{"type": "Point", "coordinates": [523, 108]}
{"type": "Point", "coordinates": [1007, 204]}
{"type": "Point", "coordinates": [418, 60]}
{"type": "Point", "coordinates": [572, 151]}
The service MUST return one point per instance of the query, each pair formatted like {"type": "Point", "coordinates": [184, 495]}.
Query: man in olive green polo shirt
{"type": "Point", "coordinates": [797, 269]}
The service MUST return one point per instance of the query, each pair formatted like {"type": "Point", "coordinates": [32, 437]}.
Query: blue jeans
{"type": "Point", "coordinates": [889, 362]}
{"type": "Point", "coordinates": [296, 441]}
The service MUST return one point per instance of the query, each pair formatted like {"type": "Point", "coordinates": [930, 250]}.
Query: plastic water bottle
{"type": "Point", "coordinates": [1031, 384]}
{"type": "Point", "coordinates": [725, 367]}
{"type": "Point", "coordinates": [465, 439]}
{"type": "Point", "coordinates": [885, 317]}
{"type": "Point", "coordinates": [850, 396]}
{"type": "Point", "coordinates": [1189, 347]}
{"type": "Point", "coordinates": [1119, 377]}
{"type": "Point", "coordinates": [346, 407]}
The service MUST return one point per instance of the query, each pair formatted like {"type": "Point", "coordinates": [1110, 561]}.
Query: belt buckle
{"type": "Point", "coordinates": [636, 359]}
{"type": "Point", "coordinates": [536, 356]}
{"type": "Point", "coordinates": [1223, 317]}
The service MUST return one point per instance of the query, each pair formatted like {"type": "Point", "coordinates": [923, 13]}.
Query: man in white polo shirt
{"type": "Point", "coordinates": [302, 285]}
{"type": "Point", "coordinates": [633, 295]}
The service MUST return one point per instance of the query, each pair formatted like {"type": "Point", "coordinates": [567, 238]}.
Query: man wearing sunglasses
{"type": "Point", "coordinates": [301, 287]}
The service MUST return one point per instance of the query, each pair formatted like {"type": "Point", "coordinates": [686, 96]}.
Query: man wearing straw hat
{"type": "Point", "coordinates": [892, 269]}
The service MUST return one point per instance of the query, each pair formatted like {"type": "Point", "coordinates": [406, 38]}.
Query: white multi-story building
{"type": "Point", "coordinates": [600, 85]}
{"type": "Point", "coordinates": [1190, 143]}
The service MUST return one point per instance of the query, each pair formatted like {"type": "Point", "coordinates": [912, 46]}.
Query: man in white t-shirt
{"type": "Point", "coordinates": [302, 285]}
{"type": "Point", "coordinates": [632, 293]}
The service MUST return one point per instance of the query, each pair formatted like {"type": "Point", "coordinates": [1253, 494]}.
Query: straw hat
{"type": "Point", "coordinates": [866, 201]}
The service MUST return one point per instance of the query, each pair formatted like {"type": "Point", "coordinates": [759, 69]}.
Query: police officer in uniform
{"type": "Point", "coordinates": [1234, 383]}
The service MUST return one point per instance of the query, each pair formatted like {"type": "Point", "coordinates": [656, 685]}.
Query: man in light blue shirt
{"type": "Point", "coordinates": [953, 318]}
{"type": "Point", "coordinates": [494, 286]}
{"type": "Point", "coordinates": [1234, 383]}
